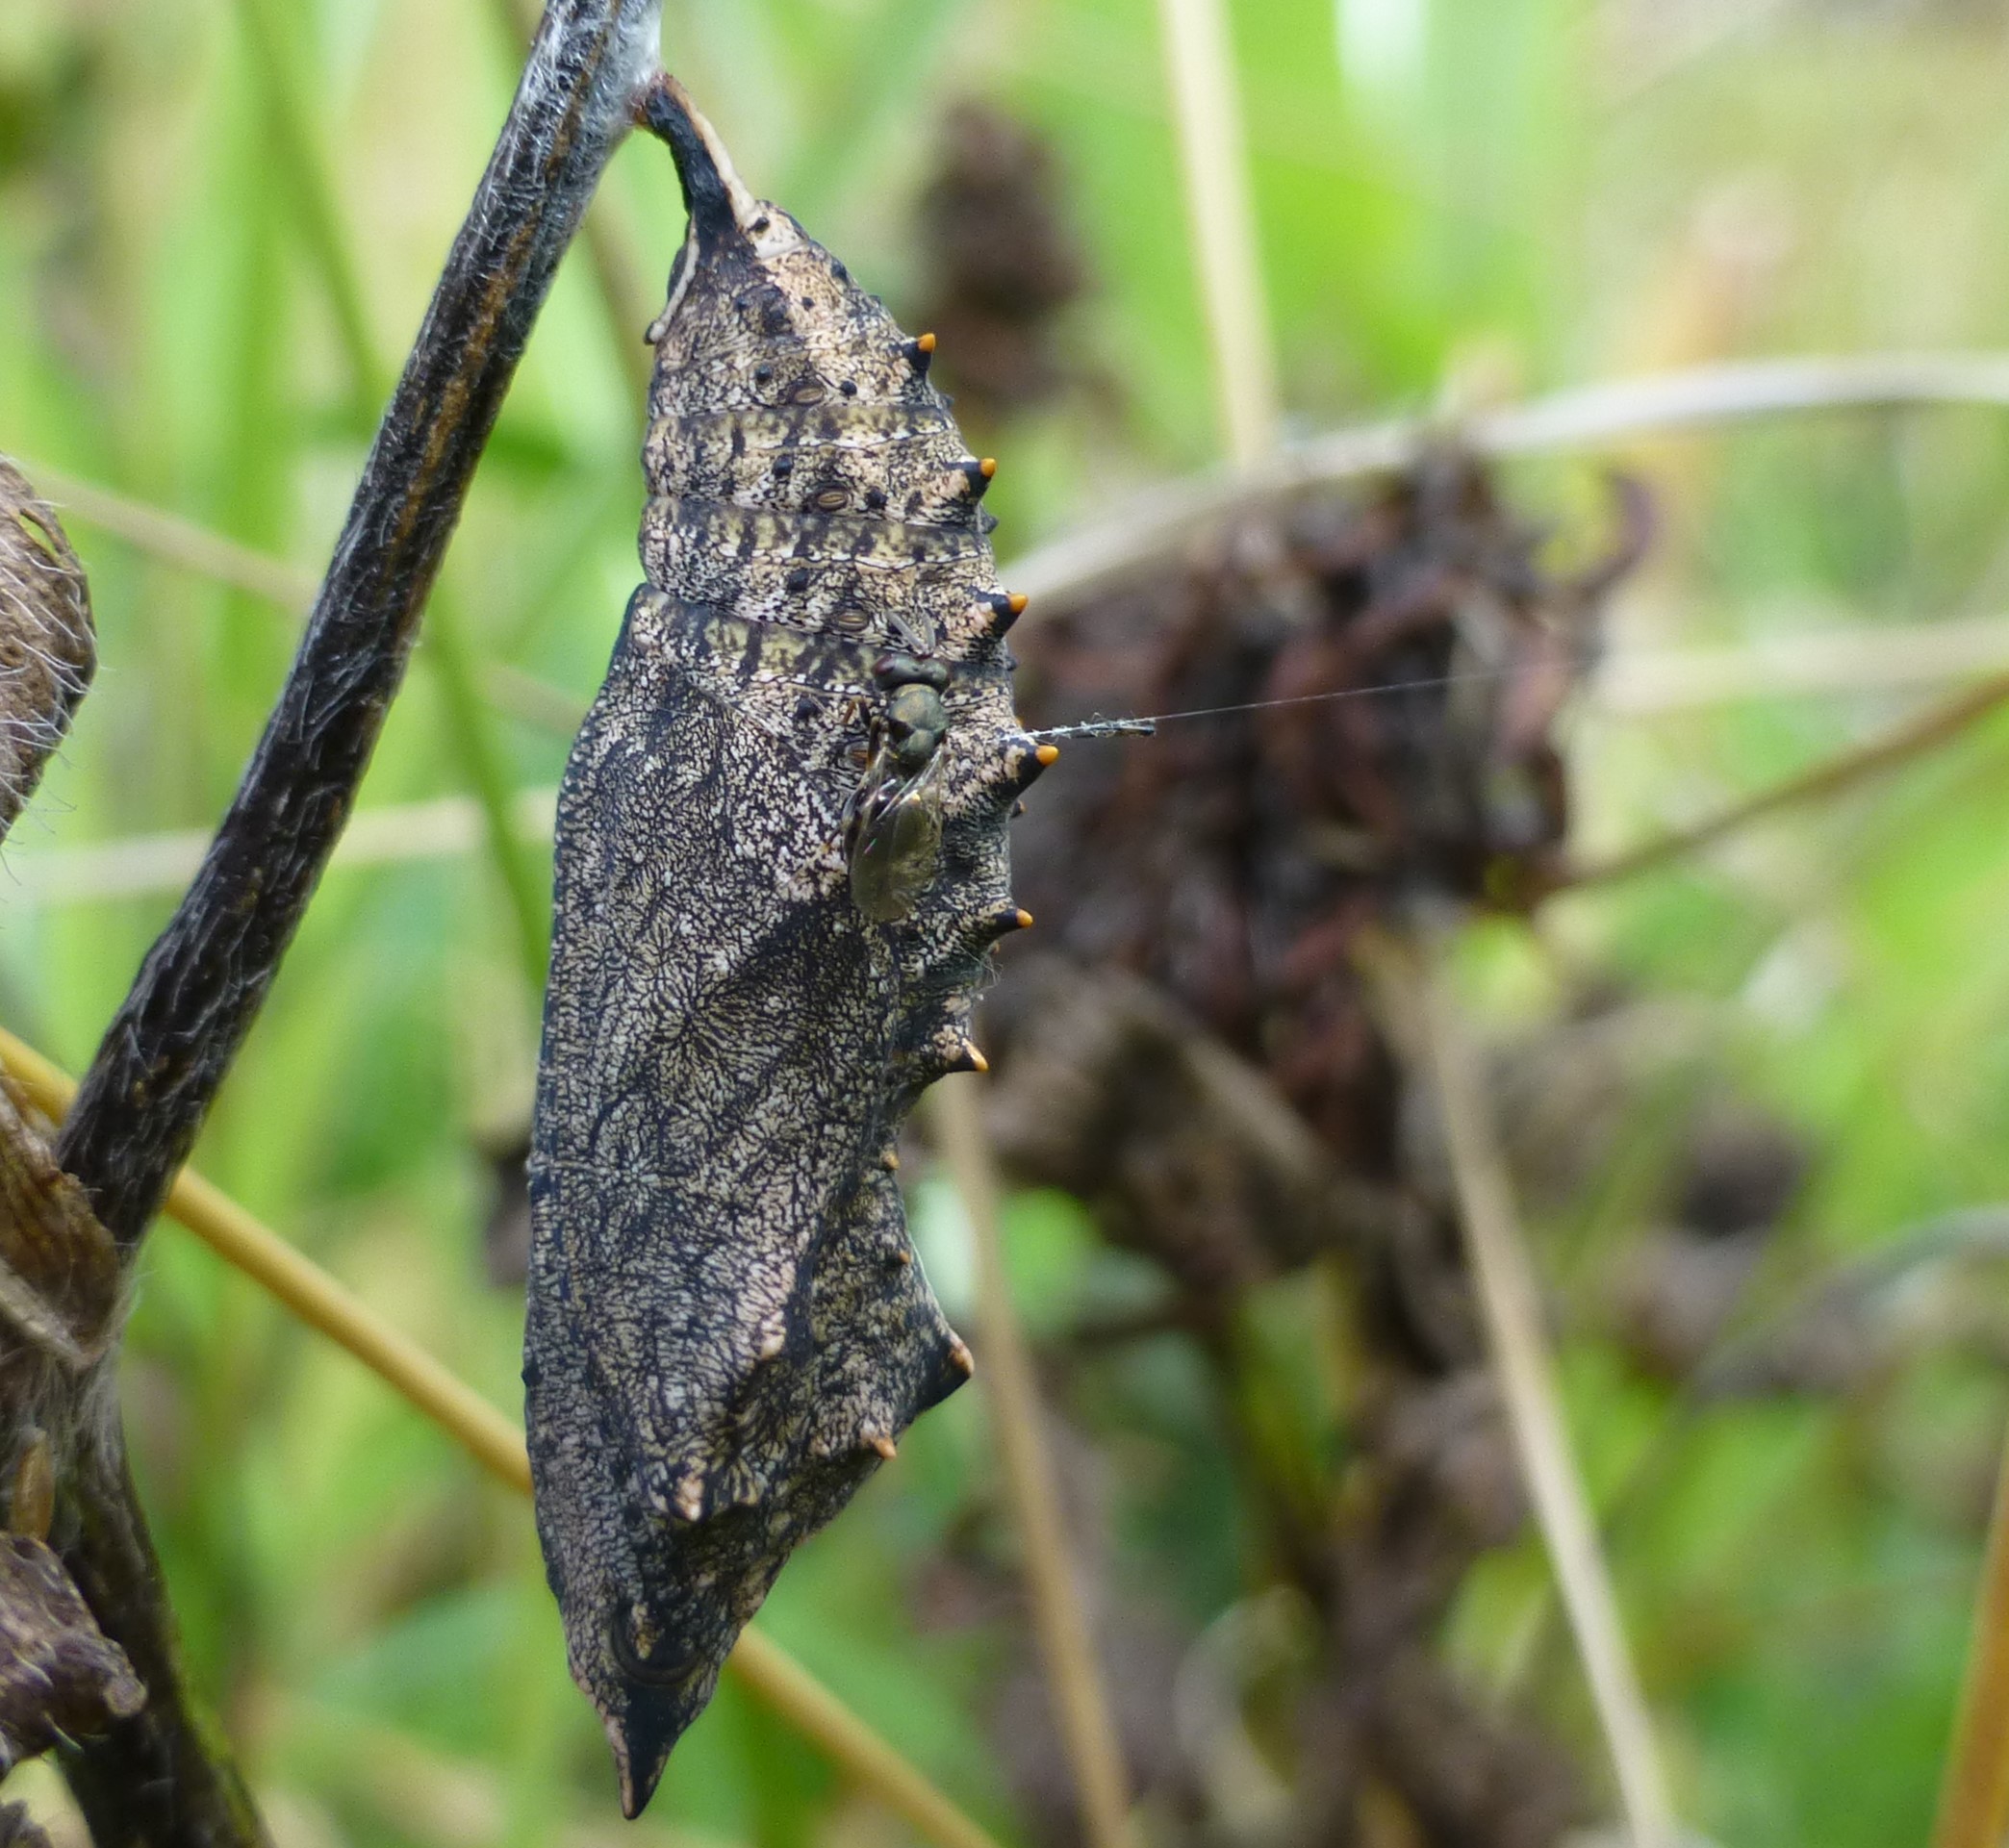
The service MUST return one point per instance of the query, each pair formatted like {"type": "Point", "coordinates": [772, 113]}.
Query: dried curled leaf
{"type": "Point", "coordinates": [58, 1269]}
{"type": "Point", "coordinates": [60, 1676]}
{"type": "Point", "coordinates": [781, 863]}
{"type": "Point", "coordinates": [48, 646]}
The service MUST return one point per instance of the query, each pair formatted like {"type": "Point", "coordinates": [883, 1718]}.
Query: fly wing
{"type": "Point", "coordinates": [897, 852]}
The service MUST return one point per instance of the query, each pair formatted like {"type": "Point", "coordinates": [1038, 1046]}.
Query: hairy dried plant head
{"type": "Point", "coordinates": [48, 646]}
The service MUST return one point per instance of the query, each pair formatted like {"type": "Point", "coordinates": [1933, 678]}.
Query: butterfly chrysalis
{"type": "Point", "coordinates": [781, 862]}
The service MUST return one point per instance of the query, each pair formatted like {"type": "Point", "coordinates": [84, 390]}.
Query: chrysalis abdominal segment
{"type": "Point", "coordinates": [781, 863]}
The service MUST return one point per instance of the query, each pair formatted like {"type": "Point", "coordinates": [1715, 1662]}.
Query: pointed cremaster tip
{"type": "Point", "coordinates": [714, 195]}
{"type": "Point", "coordinates": [651, 1722]}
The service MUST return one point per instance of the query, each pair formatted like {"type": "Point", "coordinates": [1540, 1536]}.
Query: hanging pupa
{"type": "Point", "coordinates": [781, 862]}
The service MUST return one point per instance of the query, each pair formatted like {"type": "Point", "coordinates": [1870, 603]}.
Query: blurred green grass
{"type": "Point", "coordinates": [1539, 190]}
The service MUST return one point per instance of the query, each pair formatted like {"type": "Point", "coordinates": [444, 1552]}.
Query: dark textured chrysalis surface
{"type": "Point", "coordinates": [781, 863]}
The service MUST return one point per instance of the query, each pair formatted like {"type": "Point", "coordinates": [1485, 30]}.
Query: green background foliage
{"type": "Point", "coordinates": [1471, 197]}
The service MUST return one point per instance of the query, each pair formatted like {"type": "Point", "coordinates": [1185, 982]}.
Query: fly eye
{"type": "Point", "coordinates": [896, 670]}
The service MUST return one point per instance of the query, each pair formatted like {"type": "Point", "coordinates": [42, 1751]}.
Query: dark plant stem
{"type": "Point", "coordinates": [469, 734]}
{"type": "Point", "coordinates": [161, 1779]}
{"type": "Point", "coordinates": [609, 253]}
{"type": "Point", "coordinates": [167, 1774]}
{"type": "Point", "coordinates": [173, 1040]}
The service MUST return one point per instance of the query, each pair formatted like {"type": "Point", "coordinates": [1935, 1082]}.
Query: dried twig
{"type": "Point", "coordinates": [1813, 661]}
{"type": "Point", "coordinates": [1925, 733]}
{"type": "Point", "coordinates": [178, 542]}
{"type": "Point", "coordinates": [1510, 1303]}
{"type": "Point", "coordinates": [1627, 684]}
{"type": "Point", "coordinates": [1166, 519]}
{"type": "Point", "coordinates": [195, 549]}
{"type": "Point", "coordinates": [1200, 59]}
{"type": "Point", "coordinates": [60, 1283]}
{"type": "Point", "coordinates": [1082, 1708]}
{"type": "Point", "coordinates": [1164, 522]}
{"type": "Point", "coordinates": [390, 834]}
{"type": "Point", "coordinates": [158, 1778]}
{"type": "Point", "coordinates": [497, 1444]}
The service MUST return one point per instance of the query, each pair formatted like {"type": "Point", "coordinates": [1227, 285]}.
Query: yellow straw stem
{"type": "Point", "coordinates": [1207, 107]}
{"type": "Point", "coordinates": [1065, 1640]}
{"type": "Point", "coordinates": [1510, 1305]}
{"type": "Point", "coordinates": [1973, 1808]}
{"type": "Point", "coordinates": [771, 1672]}
{"type": "Point", "coordinates": [497, 1443]}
